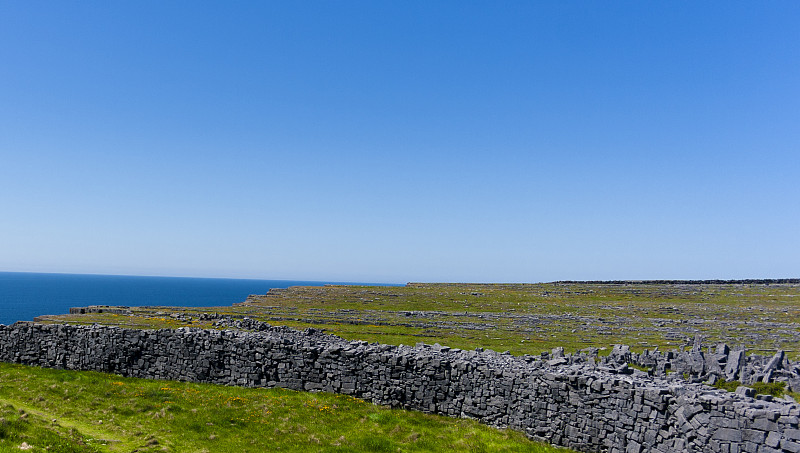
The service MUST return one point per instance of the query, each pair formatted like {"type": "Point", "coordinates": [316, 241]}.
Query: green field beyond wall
{"type": "Point", "coordinates": [520, 318]}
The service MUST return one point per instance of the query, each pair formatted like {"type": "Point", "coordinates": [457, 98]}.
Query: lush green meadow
{"type": "Point", "coordinates": [68, 411]}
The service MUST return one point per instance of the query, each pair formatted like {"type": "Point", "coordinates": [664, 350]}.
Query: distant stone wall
{"type": "Point", "coordinates": [100, 309]}
{"type": "Point", "coordinates": [578, 406]}
{"type": "Point", "coordinates": [749, 281]}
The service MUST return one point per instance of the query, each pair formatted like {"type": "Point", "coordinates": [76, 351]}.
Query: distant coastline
{"type": "Point", "coordinates": [26, 295]}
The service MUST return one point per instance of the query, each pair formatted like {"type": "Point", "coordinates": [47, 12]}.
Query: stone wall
{"type": "Point", "coordinates": [576, 405]}
{"type": "Point", "coordinates": [717, 363]}
{"type": "Point", "coordinates": [119, 310]}
{"type": "Point", "coordinates": [749, 281]}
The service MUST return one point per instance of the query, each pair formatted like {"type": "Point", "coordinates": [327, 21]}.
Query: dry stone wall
{"type": "Point", "coordinates": [717, 363]}
{"type": "Point", "coordinates": [578, 405]}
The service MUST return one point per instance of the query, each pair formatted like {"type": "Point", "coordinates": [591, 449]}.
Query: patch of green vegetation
{"type": "Point", "coordinates": [94, 412]}
{"type": "Point", "coordinates": [20, 430]}
{"type": "Point", "coordinates": [646, 369]}
{"type": "Point", "coordinates": [776, 389]}
{"type": "Point", "coordinates": [729, 386]}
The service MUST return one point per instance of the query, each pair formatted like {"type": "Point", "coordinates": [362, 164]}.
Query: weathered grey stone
{"type": "Point", "coordinates": [790, 446]}
{"type": "Point", "coordinates": [734, 363]}
{"type": "Point", "coordinates": [773, 439]}
{"type": "Point", "coordinates": [776, 361]}
{"type": "Point", "coordinates": [728, 435]}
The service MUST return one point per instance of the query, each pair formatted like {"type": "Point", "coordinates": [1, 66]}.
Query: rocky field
{"type": "Point", "coordinates": [760, 316]}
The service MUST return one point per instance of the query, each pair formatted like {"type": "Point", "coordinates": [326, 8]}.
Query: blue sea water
{"type": "Point", "coordinates": [24, 296]}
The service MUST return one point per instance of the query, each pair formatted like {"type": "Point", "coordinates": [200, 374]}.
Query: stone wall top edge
{"type": "Point", "coordinates": [515, 366]}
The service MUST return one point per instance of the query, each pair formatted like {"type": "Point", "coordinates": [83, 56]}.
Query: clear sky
{"type": "Point", "coordinates": [398, 141]}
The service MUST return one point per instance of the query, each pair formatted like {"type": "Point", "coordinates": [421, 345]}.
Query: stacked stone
{"type": "Point", "coordinates": [119, 310]}
{"type": "Point", "coordinates": [720, 362]}
{"type": "Point", "coordinates": [561, 399]}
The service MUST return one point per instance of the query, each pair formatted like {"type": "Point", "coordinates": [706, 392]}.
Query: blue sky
{"type": "Point", "coordinates": [401, 141]}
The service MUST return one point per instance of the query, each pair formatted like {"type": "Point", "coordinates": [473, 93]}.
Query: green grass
{"type": "Point", "coordinates": [769, 388]}
{"type": "Point", "coordinates": [18, 428]}
{"type": "Point", "coordinates": [729, 386]}
{"type": "Point", "coordinates": [777, 389]}
{"type": "Point", "coordinates": [68, 411]}
{"type": "Point", "coordinates": [646, 369]}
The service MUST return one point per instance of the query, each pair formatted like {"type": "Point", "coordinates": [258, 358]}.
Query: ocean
{"type": "Point", "coordinates": [24, 296]}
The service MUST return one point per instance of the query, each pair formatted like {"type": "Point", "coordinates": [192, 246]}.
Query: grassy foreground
{"type": "Point", "coordinates": [69, 411]}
